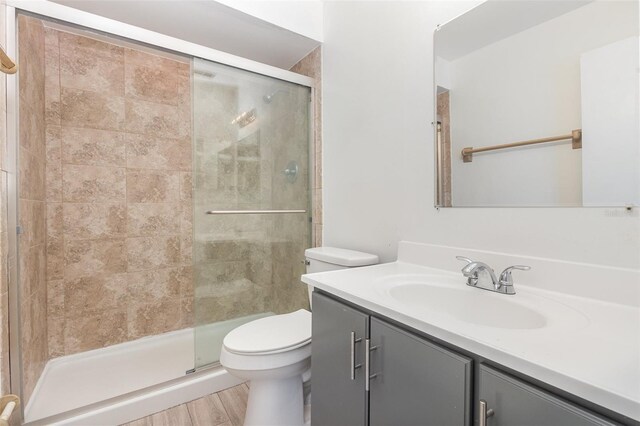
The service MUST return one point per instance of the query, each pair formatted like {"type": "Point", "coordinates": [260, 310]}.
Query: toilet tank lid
{"type": "Point", "coordinates": [342, 257]}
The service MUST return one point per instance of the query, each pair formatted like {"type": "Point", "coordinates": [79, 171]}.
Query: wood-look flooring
{"type": "Point", "coordinates": [225, 408]}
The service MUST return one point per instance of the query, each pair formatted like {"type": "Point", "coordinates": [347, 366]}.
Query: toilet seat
{"type": "Point", "coordinates": [271, 335]}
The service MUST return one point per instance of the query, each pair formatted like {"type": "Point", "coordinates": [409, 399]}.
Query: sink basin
{"type": "Point", "coordinates": [469, 307]}
{"type": "Point", "coordinates": [449, 296]}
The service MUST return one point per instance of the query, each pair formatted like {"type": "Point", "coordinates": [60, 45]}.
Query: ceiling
{"type": "Point", "coordinates": [207, 23]}
{"type": "Point", "coordinates": [495, 20]}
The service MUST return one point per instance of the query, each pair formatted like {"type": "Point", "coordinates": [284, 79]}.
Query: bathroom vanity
{"type": "Point", "coordinates": [406, 344]}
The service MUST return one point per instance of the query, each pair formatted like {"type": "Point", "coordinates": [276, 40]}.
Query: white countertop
{"type": "Point", "coordinates": [589, 348]}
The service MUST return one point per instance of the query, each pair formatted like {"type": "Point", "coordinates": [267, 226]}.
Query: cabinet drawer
{"type": "Point", "coordinates": [515, 402]}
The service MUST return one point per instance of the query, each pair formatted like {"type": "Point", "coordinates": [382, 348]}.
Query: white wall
{"type": "Point", "coordinates": [610, 115]}
{"type": "Point", "coordinates": [300, 16]}
{"type": "Point", "coordinates": [378, 151]}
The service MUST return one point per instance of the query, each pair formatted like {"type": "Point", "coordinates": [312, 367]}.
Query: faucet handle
{"type": "Point", "coordinates": [505, 277]}
{"type": "Point", "coordinates": [472, 276]}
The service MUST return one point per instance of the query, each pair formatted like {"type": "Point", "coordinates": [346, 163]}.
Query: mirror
{"type": "Point", "coordinates": [537, 104]}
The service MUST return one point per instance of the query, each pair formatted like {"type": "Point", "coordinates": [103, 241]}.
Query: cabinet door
{"type": "Point", "coordinates": [515, 402]}
{"type": "Point", "coordinates": [416, 382]}
{"type": "Point", "coordinates": [336, 398]}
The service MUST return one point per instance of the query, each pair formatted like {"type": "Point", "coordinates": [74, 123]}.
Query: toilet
{"type": "Point", "coordinates": [274, 353]}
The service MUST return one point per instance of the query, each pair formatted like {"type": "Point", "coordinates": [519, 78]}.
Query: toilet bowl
{"type": "Point", "coordinates": [274, 353]}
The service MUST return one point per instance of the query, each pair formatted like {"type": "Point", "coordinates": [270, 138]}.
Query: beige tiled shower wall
{"type": "Point", "coordinates": [118, 172]}
{"type": "Point", "coordinates": [311, 66]}
{"type": "Point", "coordinates": [31, 204]}
{"type": "Point", "coordinates": [4, 254]}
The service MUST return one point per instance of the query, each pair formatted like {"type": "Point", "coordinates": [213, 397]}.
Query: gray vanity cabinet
{"type": "Point", "coordinates": [337, 385]}
{"type": "Point", "coordinates": [413, 381]}
{"type": "Point", "coordinates": [510, 401]}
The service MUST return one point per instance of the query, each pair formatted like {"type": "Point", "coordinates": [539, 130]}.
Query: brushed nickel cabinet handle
{"type": "Point", "coordinates": [353, 367]}
{"type": "Point", "coordinates": [367, 364]}
{"type": "Point", "coordinates": [484, 413]}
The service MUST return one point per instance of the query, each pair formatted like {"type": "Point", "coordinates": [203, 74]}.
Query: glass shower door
{"type": "Point", "coordinates": [251, 200]}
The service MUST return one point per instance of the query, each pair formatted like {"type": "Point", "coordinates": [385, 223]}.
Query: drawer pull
{"type": "Point", "coordinates": [484, 413]}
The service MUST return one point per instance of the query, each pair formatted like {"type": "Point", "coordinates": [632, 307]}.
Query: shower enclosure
{"type": "Point", "coordinates": [163, 200]}
{"type": "Point", "coordinates": [251, 216]}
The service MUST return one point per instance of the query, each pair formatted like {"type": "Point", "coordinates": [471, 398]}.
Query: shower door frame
{"type": "Point", "coordinates": [118, 31]}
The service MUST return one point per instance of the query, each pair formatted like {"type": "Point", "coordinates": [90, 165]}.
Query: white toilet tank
{"type": "Point", "coordinates": [321, 259]}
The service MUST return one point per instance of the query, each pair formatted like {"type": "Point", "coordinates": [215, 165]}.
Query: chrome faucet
{"type": "Point", "coordinates": [474, 271]}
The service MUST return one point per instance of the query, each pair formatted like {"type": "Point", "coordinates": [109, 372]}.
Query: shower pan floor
{"type": "Point", "coordinates": [78, 380]}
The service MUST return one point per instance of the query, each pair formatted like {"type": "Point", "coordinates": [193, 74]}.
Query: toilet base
{"type": "Point", "coordinates": [275, 402]}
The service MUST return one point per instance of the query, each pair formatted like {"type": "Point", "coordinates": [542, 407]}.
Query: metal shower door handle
{"type": "Point", "coordinates": [254, 211]}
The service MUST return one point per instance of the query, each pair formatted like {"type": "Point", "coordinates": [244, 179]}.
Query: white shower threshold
{"type": "Point", "coordinates": [127, 381]}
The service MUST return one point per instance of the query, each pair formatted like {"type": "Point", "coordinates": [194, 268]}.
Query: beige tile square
{"type": "Point", "coordinates": [145, 253]}
{"type": "Point", "coordinates": [153, 219]}
{"type": "Point", "coordinates": [86, 332]}
{"type": "Point", "coordinates": [144, 319]}
{"type": "Point", "coordinates": [94, 221]}
{"type": "Point", "coordinates": [93, 47]}
{"type": "Point", "coordinates": [150, 152]}
{"type": "Point", "coordinates": [152, 83]}
{"type": "Point", "coordinates": [93, 184]}
{"type": "Point", "coordinates": [84, 68]}
{"type": "Point", "coordinates": [149, 186]}
{"type": "Point", "coordinates": [93, 147]}
{"type": "Point", "coordinates": [154, 118]}
{"type": "Point", "coordinates": [90, 294]}
{"type": "Point", "coordinates": [154, 285]}
{"type": "Point", "coordinates": [84, 258]}
{"type": "Point", "coordinates": [81, 108]}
